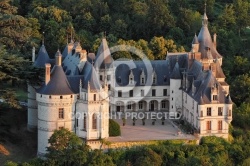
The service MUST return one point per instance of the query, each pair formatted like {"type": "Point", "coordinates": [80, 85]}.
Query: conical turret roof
{"type": "Point", "coordinates": [195, 40]}
{"type": "Point", "coordinates": [103, 57]}
{"type": "Point", "coordinates": [176, 72]}
{"type": "Point", "coordinates": [94, 81]}
{"type": "Point", "coordinates": [58, 84]}
{"type": "Point", "coordinates": [42, 57]}
{"type": "Point", "coordinates": [205, 41]}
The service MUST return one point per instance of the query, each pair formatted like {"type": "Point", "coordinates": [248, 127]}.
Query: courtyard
{"type": "Point", "coordinates": [140, 132]}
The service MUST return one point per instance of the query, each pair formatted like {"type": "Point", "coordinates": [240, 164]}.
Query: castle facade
{"type": "Point", "coordinates": [81, 90]}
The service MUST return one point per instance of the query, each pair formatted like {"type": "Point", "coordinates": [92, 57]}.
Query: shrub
{"type": "Point", "coordinates": [114, 128]}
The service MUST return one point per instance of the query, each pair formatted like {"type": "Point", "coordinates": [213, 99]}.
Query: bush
{"type": "Point", "coordinates": [114, 128]}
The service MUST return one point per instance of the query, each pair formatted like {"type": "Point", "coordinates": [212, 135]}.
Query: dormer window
{"type": "Point", "coordinates": [131, 78]}
{"type": "Point", "coordinates": [215, 97]}
{"type": "Point", "coordinates": [154, 80]}
{"type": "Point", "coordinates": [142, 77]}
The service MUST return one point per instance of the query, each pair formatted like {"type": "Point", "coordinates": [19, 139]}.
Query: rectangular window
{"type": "Point", "coordinates": [94, 97]}
{"type": "Point", "coordinates": [209, 111]}
{"type": "Point", "coordinates": [165, 92]}
{"type": "Point", "coordinates": [142, 80]}
{"type": "Point", "coordinates": [208, 125]}
{"type": "Point", "coordinates": [153, 92]}
{"type": "Point", "coordinates": [154, 80]}
{"type": "Point", "coordinates": [163, 104]}
{"type": "Point", "coordinates": [220, 111]}
{"type": "Point", "coordinates": [215, 97]}
{"type": "Point", "coordinates": [220, 125]}
{"type": "Point", "coordinates": [129, 106]}
{"type": "Point", "coordinates": [131, 93]}
{"type": "Point", "coordinates": [94, 121]}
{"type": "Point", "coordinates": [142, 92]}
{"type": "Point", "coordinates": [61, 113]}
{"type": "Point", "coordinates": [101, 77]}
{"type": "Point", "coordinates": [84, 121]}
{"type": "Point", "coordinates": [140, 105]}
{"type": "Point", "coordinates": [108, 77]}
{"type": "Point", "coordinates": [119, 93]}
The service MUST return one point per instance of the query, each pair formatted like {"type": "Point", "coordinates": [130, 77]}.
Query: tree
{"type": "Point", "coordinates": [227, 20]}
{"type": "Point", "coordinates": [240, 89]}
{"type": "Point", "coordinates": [159, 18]}
{"type": "Point", "coordinates": [15, 30]}
{"type": "Point", "coordinates": [189, 21]}
{"type": "Point", "coordinates": [241, 116]}
{"type": "Point", "coordinates": [98, 158]}
{"type": "Point", "coordinates": [55, 23]}
{"type": "Point", "coordinates": [11, 71]}
{"type": "Point", "coordinates": [148, 157]}
{"type": "Point", "coordinates": [66, 147]}
{"type": "Point", "coordinates": [160, 46]}
{"type": "Point", "coordinates": [242, 8]}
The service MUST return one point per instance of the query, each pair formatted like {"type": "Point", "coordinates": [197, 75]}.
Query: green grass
{"type": "Point", "coordinates": [21, 94]}
{"type": "Point", "coordinates": [20, 91]}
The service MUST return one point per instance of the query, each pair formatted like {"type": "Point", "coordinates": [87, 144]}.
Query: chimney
{"type": "Point", "coordinates": [58, 59]}
{"type": "Point", "coordinates": [215, 36]}
{"type": "Point", "coordinates": [33, 54]}
{"type": "Point", "coordinates": [47, 73]}
{"type": "Point", "coordinates": [83, 55]}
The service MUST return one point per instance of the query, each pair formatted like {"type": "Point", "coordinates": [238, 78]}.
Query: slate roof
{"type": "Point", "coordinates": [123, 69]}
{"type": "Point", "coordinates": [94, 82]}
{"type": "Point", "coordinates": [58, 84]}
{"type": "Point", "coordinates": [67, 49]}
{"type": "Point", "coordinates": [195, 40]}
{"type": "Point", "coordinates": [87, 75]}
{"type": "Point", "coordinates": [176, 72]}
{"type": "Point", "coordinates": [103, 57]}
{"type": "Point", "coordinates": [42, 57]}
{"type": "Point", "coordinates": [219, 71]}
{"type": "Point", "coordinates": [203, 84]}
{"type": "Point", "coordinates": [205, 42]}
{"type": "Point", "coordinates": [182, 59]}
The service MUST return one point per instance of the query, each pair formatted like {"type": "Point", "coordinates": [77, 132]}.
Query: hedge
{"type": "Point", "coordinates": [114, 128]}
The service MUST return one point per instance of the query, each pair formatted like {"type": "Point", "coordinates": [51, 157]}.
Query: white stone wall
{"type": "Point", "coordinates": [88, 106]}
{"type": "Point", "coordinates": [48, 117]}
{"type": "Point", "coordinates": [190, 110]}
{"type": "Point", "coordinates": [214, 118]}
{"type": "Point", "coordinates": [175, 95]}
{"type": "Point", "coordinates": [32, 109]}
{"type": "Point", "coordinates": [137, 96]}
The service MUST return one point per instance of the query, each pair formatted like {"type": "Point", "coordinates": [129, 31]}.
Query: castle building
{"type": "Point", "coordinates": [82, 90]}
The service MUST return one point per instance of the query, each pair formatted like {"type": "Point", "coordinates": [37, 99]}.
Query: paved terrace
{"type": "Point", "coordinates": [148, 132]}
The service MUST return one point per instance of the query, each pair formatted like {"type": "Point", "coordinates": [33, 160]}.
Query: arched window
{"type": "Point", "coordinates": [84, 121]}
{"type": "Point", "coordinates": [94, 122]}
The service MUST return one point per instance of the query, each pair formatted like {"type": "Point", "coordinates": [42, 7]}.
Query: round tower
{"type": "Point", "coordinates": [42, 58]}
{"type": "Point", "coordinates": [56, 104]}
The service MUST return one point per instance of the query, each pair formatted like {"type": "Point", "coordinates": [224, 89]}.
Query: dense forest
{"type": "Point", "coordinates": [154, 26]}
